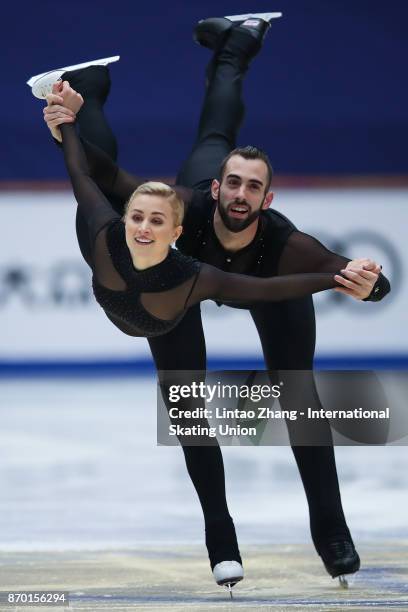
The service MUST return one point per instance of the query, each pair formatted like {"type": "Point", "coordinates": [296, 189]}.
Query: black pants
{"type": "Point", "coordinates": [286, 330]}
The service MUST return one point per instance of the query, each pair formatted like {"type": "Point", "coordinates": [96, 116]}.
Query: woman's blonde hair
{"type": "Point", "coordinates": [165, 191]}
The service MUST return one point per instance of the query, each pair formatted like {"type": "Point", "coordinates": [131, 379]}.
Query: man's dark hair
{"type": "Point", "coordinates": [249, 152]}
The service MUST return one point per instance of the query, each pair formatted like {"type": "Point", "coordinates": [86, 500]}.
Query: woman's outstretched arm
{"type": "Point", "coordinates": [95, 208]}
{"type": "Point", "coordinates": [215, 284]}
{"type": "Point", "coordinates": [93, 204]}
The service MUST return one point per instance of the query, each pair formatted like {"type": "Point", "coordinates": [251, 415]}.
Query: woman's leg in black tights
{"type": "Point", "coordinates": [93, 83]}
{"type": "Point", "coordinates": [287, 333]}
{"type": "Point", "coordinates": [183, 349]}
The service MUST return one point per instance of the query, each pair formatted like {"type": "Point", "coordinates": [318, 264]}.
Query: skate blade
{"type": "Point", "coordinates": [265, 16]}
{"type": "Point", "coordinates": [99, 62]}
{"type": "Point", "coordinates": [232, 580]}
{"type": "Point", "coordinates": [343, 582]}
{"type": "Point", "coordinates": [348, 579]}
{"type": "Point", "coordinates": [229, 581]}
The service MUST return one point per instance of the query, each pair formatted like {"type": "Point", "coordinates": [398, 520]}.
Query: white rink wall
{"type": "Point", "coordinates": [47, 311]}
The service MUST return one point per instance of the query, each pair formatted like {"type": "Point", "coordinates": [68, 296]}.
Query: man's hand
{"type": "Point", "coordinates": [62, 105]}
{"type": "Point", "coordinates": [360, 276]}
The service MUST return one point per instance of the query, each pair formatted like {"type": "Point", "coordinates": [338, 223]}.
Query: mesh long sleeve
{"type": "Point", "coordinates": [212, 283]}
{"type": "Point", "coordinates": [91, 201]}
{"type": "Point", "coordinates": [94, 206]}
{"type": "Point", "coordinates": [302, 253]}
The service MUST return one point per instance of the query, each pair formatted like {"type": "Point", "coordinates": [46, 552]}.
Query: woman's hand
{"type": "Point", "coordinates": [63, 104]}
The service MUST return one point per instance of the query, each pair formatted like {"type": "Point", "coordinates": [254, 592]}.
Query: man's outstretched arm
{"type": "Point", "coordinates": [362, 278]}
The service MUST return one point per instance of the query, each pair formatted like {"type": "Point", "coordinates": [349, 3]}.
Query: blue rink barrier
{"type": "Point", "coordinates": [143, 367]}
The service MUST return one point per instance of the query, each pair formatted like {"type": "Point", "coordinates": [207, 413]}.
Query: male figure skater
{"type": "Point", "coordinates": [229, 224]}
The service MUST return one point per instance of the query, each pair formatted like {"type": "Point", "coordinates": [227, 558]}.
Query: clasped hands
{"type": "Point", "coordinates": [62, 106]}
{"type": "Point", "coordinates": [359, 278]}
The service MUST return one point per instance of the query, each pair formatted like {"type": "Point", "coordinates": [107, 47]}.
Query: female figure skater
{"type": "Point", "coordinates": [146, 287]}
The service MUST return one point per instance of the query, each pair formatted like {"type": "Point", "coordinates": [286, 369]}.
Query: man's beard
{"type": "Point", "coordinates": [237, 225]}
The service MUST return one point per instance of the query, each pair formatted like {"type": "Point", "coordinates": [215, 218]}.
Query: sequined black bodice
{"type": "Point", "coordinates": [126, 305]}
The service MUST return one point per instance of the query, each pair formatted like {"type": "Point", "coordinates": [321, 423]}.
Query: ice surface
{"type": "Point", "coordinates": [80, 468]}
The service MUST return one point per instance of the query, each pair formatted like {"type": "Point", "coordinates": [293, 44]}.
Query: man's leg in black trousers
{"type": "Point", "coordinates": [183, 349]}
{"type": "Point", "coordinates": [221, 116]}
{"type": "Point", "coordinates": [287, 333]}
